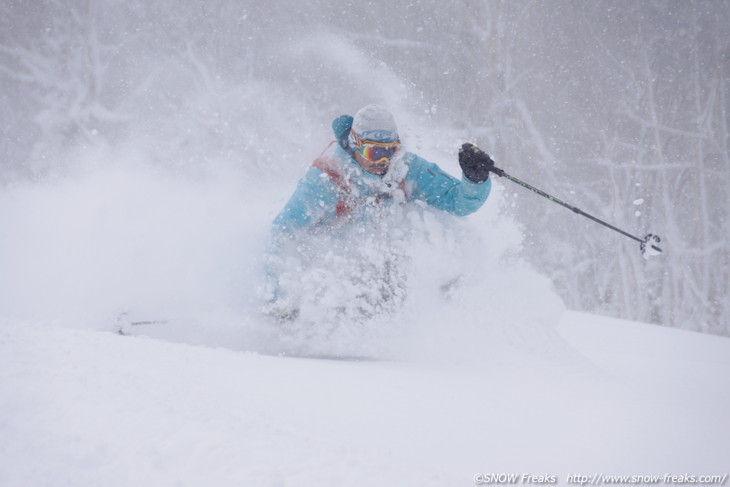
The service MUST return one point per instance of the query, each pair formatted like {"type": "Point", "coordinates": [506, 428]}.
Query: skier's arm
{"type": "Point", "coordinates": [314, 200]}
{"type": "Point", "coordinates": [429, 183]}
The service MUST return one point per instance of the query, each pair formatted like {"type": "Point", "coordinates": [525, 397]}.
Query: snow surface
{"type": "Point", "coordinates": [480, 369]}
{"type": "Point", "coordinates": [83, 407]}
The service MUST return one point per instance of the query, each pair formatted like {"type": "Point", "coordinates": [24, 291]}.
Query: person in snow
{"type": "Point", "coordinates": [366, 166]}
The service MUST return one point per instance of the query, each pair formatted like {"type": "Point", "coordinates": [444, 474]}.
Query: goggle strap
{"type": "Point", "coordinates": [359, 142]}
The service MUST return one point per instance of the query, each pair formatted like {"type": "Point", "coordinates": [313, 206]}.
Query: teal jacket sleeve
{"type": "Point", "coordinates": [427, 182]}
{"type": "Point", "coordinates": [314, 199]}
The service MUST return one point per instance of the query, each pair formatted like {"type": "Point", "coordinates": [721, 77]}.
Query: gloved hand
{"type": "Point", "coordinates": [475, 163]}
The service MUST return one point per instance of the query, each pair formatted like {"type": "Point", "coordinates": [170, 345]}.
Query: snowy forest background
{"type": "Point", "coordinates": [618, 107]}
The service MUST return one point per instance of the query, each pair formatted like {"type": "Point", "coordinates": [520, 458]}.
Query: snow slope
{"type": "Point", "coordinates": [85, 408]}
{"type": "Point", "coordinates": [489, 377]}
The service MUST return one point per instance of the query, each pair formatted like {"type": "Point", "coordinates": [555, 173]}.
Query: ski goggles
{"type": "Point", "coordinates": [376, 152]}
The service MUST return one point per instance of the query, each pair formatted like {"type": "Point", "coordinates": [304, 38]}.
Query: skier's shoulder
{"type": "Point", "coordinates": [411, 159]}
{"type": "Point", "coordinates": [333, 157]}
{"type": "Point", "coordinates": [419, 167]}
{"type": "Point", "coordinates": [333, 166]}
{"type": "Point", "coordinates": [316, 179]}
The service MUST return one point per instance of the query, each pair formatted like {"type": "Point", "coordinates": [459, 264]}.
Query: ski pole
{"type": "Point", "coordinates": [649, 244]}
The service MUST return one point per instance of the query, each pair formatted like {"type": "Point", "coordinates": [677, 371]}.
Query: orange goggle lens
{"type": "Point", "coordinates": [378, 153]}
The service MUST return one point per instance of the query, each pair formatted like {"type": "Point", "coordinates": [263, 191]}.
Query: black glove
{"type": "Point", "coordinates": [475, 163]}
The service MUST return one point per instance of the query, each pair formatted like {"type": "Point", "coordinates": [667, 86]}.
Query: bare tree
{"type": "Point", "coordinates": [657, 161]}
{"type": "Point", "coordinates": [64, 71]}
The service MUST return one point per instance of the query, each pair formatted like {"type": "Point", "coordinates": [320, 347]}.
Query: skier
{"type": "Point", "coordinates": [365, 166]}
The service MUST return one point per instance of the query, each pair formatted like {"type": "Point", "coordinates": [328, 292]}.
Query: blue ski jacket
{"type": "Point", "coordinates": [336, 187]}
